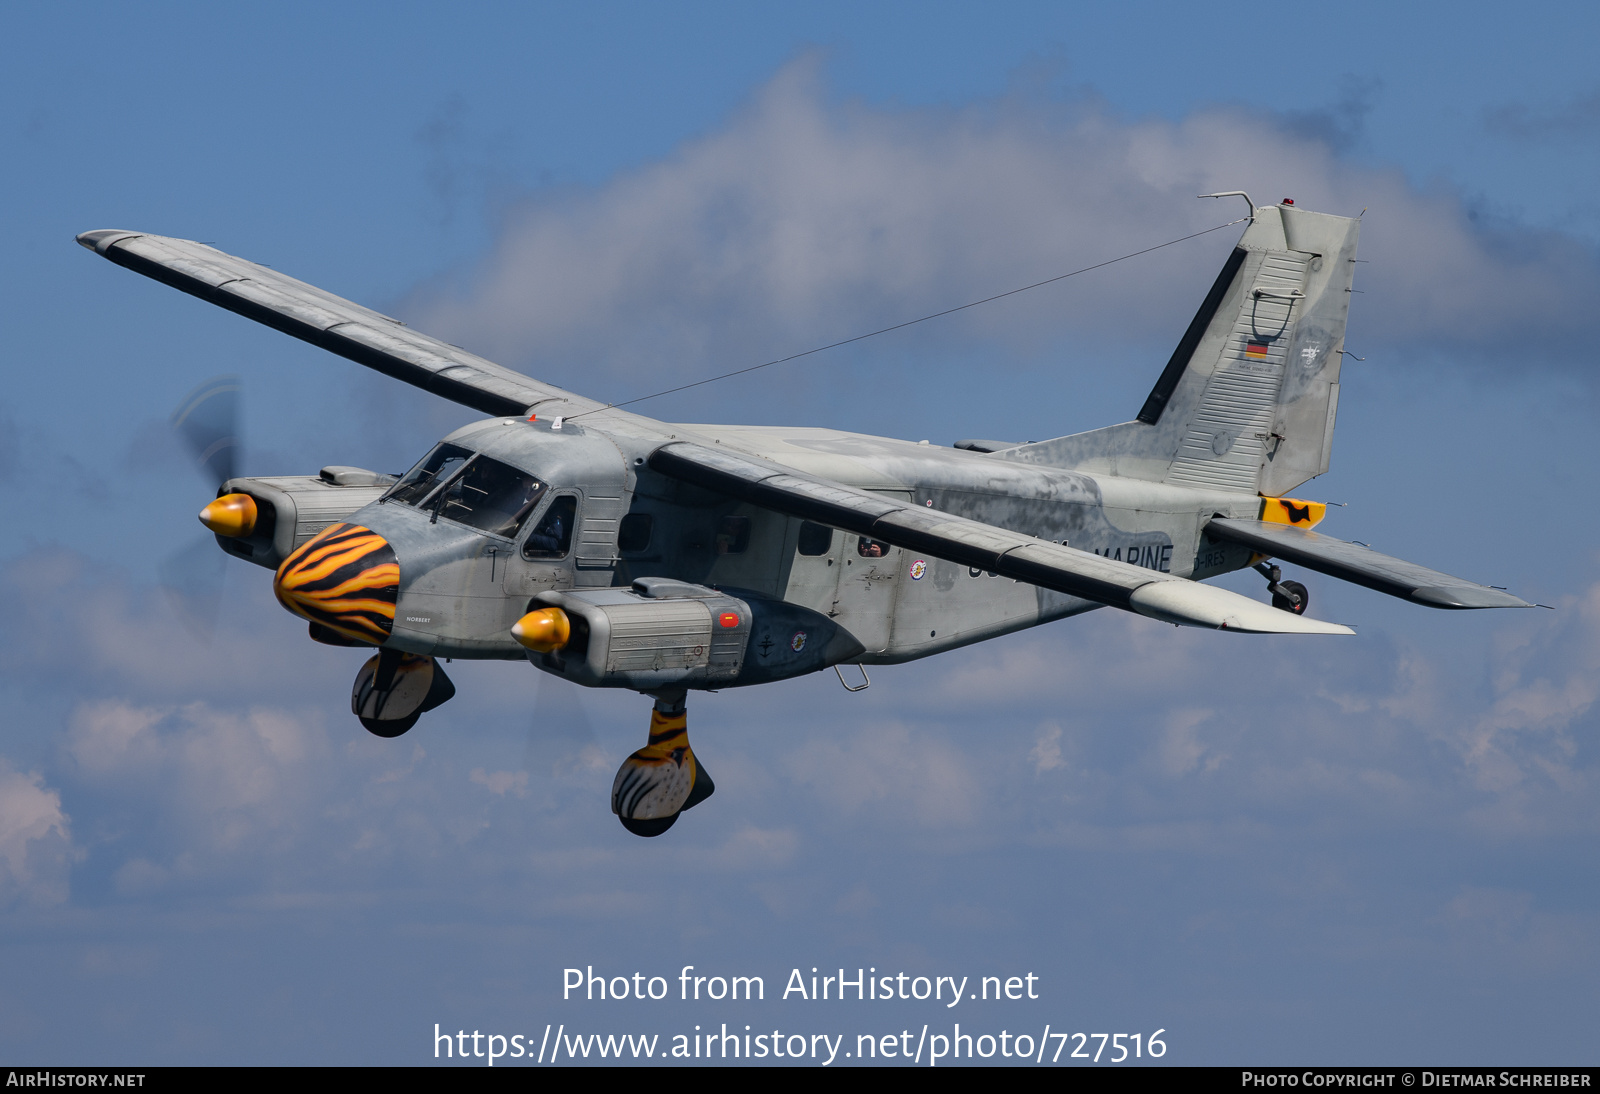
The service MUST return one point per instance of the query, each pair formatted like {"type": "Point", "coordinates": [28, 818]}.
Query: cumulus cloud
{"type": "Point", "coordinates": [804, 219]}
{"type": "Point", "coordinates": [36, 848]}
{"type": "Point", "coordinates": [905, 774]}
{"type": "Point", "coordinates": [501, 783]}
{"type": "Point", "coordinates": [1155, 726]}
{"type": "Point", "coordinates": [232, 779]}
{"type": "Point", "coordinates": [77, 621]}
{"type": "Point", "coordinates": [1107, 730]}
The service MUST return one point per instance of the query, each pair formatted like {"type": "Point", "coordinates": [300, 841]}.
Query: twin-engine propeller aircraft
{"type": "Point", "coordinates": [614, 550]}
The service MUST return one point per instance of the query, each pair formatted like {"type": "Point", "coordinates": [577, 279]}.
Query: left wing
{"type": "Point", "coordinates": [973, 543]}
{"type": "Point", "coordinates": [313, 315]}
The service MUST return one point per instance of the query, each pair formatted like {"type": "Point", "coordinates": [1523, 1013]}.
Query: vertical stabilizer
{"type": "Point", "coordinates": [1247, 401]}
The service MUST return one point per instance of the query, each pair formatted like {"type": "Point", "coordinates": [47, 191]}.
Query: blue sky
{"type": "Point", "coordinates": [1376, 850]}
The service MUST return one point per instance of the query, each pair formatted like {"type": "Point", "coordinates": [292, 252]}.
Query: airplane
{"type": "Point", "coordinates": [616, 551]}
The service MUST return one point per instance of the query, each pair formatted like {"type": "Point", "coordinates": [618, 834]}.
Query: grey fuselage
{"type": "Point", "coordinates": [461, 589]}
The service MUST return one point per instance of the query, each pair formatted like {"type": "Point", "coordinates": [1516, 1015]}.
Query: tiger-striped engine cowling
{"type": "Point", "coordinates": [346, 579]}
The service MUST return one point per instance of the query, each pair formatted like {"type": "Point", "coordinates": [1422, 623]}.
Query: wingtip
{"type": "Point", "coordinates": [99, 239]}
{"type": "Point", "coordinates": [1467, 596]}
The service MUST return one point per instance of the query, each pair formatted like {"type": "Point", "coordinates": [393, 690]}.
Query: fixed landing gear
{"type": "Point", "coordinates": [1288, 596]}
{"type": "Point", "coordinates": [663, 778]}
{"type": "Point", "coordinates": [394, 689]}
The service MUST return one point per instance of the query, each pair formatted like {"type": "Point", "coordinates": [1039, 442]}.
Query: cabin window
{"type": "Point", "coordinates": [733, 535]}
{"type": "Point", "coordinates": [552, 536]}
{"type": "Point", "coordinates": [867, 547]}
{"type": "Point", "coordinates": [633, 534]}
{"type": "Point", "coordinates": [815, 539]}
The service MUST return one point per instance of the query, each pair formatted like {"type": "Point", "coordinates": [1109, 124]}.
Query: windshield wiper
{"type": "Point", "coordinates": [436, 499]}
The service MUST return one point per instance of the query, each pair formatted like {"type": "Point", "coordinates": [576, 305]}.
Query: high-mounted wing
{"type": "Point", "coordinates": [333, 323]}
{"type": "Point", "coordinates": [972, 543]}
{"type": "Point", "coordinates": [1362, 565]}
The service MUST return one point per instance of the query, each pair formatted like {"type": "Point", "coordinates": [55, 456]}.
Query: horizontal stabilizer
{"type": "Point", "coordinates": [1362, 565]}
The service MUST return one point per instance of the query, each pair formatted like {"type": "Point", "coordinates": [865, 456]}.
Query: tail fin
{"type": "Point", "coordinates": [1248, 399]}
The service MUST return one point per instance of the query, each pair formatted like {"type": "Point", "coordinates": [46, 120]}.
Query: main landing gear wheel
{"type": "Point", "coordinates": [662, 779]}
{"type": "Point", "coordinates": [394, 689]}
{"type": "Point", "coordinates": [1296, 599]}
{"type": "Point", "coordinates": [1287, 596]}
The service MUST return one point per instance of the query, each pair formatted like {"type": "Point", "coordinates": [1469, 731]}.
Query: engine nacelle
{"type": "Point", "coordinates": [660, 633]}
{"type": "Point", "coordinates": [291, 509]}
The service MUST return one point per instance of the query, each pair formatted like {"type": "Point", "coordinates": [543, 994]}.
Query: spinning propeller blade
{"type": "Point", "coordinates": [191, 578]}
{"type": "Point", "coordinates": [208, 423]}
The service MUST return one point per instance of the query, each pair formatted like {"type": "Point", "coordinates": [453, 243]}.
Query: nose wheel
{"type": "Point", "coordinates": [394, 689]}
{"type": "Point", "coordinates": [1288, 596]}
{"type": "Point", "coordinates": [662, 779]}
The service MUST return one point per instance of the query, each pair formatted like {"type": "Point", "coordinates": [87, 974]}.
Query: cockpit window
{"type": "Point", "coordinates": [440, 464]}
{"type": "Point", "coordinates": [477, 491]}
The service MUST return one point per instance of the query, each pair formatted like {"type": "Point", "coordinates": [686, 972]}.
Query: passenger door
{"type": "Point", "coordinates": [849, 578]}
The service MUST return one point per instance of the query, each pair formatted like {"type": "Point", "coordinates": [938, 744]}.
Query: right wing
{"type": "Point", "coordinates": [333, 323]}
{"type": "Point", "coordinates": [973, 543]}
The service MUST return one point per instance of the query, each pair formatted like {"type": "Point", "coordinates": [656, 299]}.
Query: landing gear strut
{"type": "Point", "coordinates": [394, 689]}
{"type": "Point", "coordinates": [664, 777]}
{"type": "Point", "coordinates": [1288, 596]}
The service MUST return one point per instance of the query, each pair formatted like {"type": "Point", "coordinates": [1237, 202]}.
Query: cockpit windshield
{"type": "Point", "coordinates": [441, 463]}
{"type": "Point", "coordinates": [477, 491]}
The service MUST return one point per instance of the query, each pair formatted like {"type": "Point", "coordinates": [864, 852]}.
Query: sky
{"type": "Point", "coordinates": [1376, 850]}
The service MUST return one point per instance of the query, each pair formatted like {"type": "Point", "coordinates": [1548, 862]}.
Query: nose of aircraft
{"type": "Point", "coordinates": [231, 515]}
{"type": "Point", "coordinates": [346, 579]}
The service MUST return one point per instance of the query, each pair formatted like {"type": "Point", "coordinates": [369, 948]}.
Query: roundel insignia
{"type": "Point", "coordinates": [918, 568]}
{"type": "Point", "coordinates": [798, 642]}
{"type": "Point", "coordinates": [728, 619]}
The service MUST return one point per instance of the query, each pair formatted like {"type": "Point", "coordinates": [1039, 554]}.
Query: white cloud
{"type": "Point", "coordinates": [803, 220]}
{"type": "Point", "coordinates": [916, 776]}
{"type": "Point", "coordinates": [750, 848]}
{"type": "Point", "coordinates": [1106, 731]}
{"type": "Point", "coordinates": [75, 620]}
{"type": "Point", "coordinates": [35, 840]}
{"type": "Point", "coordinates": [231, 779]}
{"type": "Point", "coordinates": [1182, 749]}
{"type": "Point", "coordinates": [500, 783]}
{"type": "Point", "coordinates": [1046, 754]}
